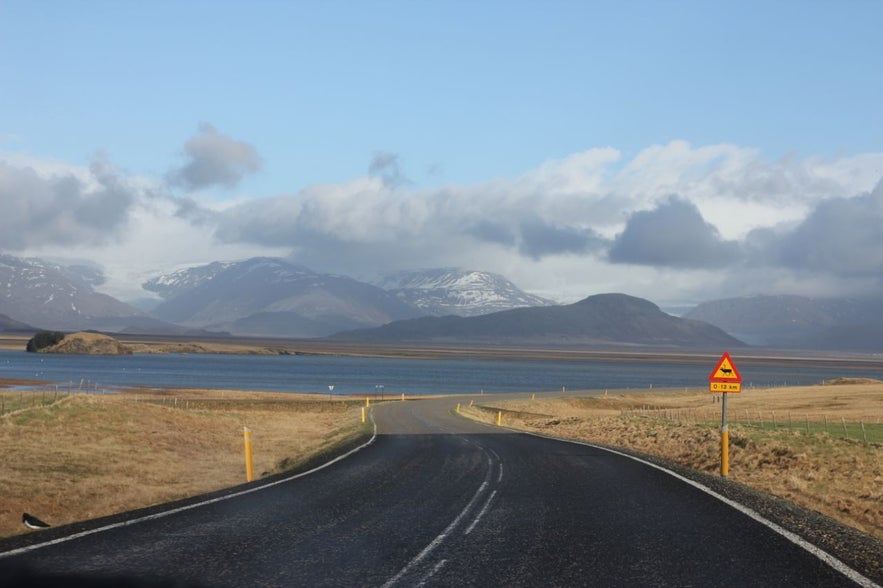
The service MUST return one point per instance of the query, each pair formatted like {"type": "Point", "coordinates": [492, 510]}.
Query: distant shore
{"type": "Point", "coordinates": [145, 344]}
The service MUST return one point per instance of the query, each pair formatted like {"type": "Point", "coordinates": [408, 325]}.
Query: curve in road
{"type": "Point", "coordinates": [435, 499]}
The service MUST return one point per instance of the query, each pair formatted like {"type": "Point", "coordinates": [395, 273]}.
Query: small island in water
{"type": "Point", "coordinates": [76, 344]}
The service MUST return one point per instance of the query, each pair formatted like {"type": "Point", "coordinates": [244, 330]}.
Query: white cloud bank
{"type": "Point", "coordinates": [673, 223]}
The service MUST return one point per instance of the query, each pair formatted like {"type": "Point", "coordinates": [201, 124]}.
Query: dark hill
{"type": "Point", "coordinates": [605, 319]}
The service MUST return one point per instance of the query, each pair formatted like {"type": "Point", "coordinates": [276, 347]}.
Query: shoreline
{"type": "Point", "coordinates": [231, 345]}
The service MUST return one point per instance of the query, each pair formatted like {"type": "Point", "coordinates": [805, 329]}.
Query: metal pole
{"type": "Point", "coordinates": [725, 439]}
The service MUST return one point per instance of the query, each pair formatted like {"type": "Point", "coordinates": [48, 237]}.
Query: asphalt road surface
{"type": "Point", "coordinates": [437, 500]}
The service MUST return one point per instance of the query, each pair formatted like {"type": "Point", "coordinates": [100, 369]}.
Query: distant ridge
{"type": "Point", "coordinates": [604, 319]}
{"type": "Point", "coordinates": [799, 322]}
{"type": "Point", "coordinates": [9, 324]}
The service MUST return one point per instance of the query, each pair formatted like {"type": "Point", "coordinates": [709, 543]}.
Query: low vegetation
{"type": "Point", "coordinates": [43, 339]}
{"type": "Point", "coordinates": [80, 456]}
{"type": "Point", "coordinates": [820, 447]}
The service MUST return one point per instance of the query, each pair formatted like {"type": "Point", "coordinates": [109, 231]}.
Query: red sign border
{"type": "Point", "coordinates": [737, 377]}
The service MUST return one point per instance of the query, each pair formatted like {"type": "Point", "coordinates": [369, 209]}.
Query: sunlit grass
{"type": "Point", "coordinates": [85, 456]}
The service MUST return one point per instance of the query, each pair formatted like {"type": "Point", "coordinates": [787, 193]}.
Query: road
{"type": "Point", "coordinates": [438, 500]}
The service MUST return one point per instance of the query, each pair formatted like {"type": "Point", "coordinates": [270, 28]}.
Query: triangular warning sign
{"type": "Point", "coordinates": [725, 370]}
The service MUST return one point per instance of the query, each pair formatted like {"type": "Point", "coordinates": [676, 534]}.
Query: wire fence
{"type": "Point", "coordinates": [865, 430]}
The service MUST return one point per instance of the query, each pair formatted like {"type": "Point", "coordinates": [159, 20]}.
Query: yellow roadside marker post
{"type": "Point", "coordinates": [458, 408]}
{"type": "Point", "coordinates": [363, 414]}
{"type": "Point", "coordinates": [499, 418]}
{"type": "Point", "coordinates": [249, 462]}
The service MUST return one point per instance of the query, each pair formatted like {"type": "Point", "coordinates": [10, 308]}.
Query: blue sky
{"type": "Point", "coordinates": [503, 104]}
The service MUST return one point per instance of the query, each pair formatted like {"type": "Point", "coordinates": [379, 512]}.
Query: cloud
{"type": "Point", "coordinates": [387, 167]}
{"type": "Point", "coordinates": [595, 221]}
{"type": "Point", "coordinates": [493, 232]}
{"type": "Point", "coordinates": [540, 239]}
{"type": "Point", "coordinates": [71, 207]}
{"type": "Point", "coordinates": [214, 159]}
{"type": "Point", "coordinates": [840, 237]}
{"type": "Point", "coordinates": [595, 209]}
{"type": "Point", "coordinates": [674, 234]}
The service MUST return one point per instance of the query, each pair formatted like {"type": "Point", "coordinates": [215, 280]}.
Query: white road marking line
{"type": "Point", "coordinates": [500, 461]}
{"type": "Point", "coordinates": [438, 540]}
{"type": "Point", "coordinates": [481, 513]}
{"type": "Point", "coordinates": [450, 528]}
{"type": "Point", "coordinates": [432, 572]}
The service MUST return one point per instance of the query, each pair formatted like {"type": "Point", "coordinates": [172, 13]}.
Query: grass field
{"type": "Point", "coordinates": [80, 456]}
{"type": "Point", "coordinates": [837, 474]}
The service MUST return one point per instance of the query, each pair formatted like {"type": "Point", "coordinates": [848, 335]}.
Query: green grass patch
{"type": "Point", "coordinates": [12, 401]}
{"type": "Point", "coordinates": [863, 432]}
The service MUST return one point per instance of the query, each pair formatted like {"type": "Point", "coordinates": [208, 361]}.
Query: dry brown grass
{"type": "Point", "coordinates": [87, 456]}
{"type": "Point", "coordinates": [202, 347]}
{"type": "Point", "coordinates": [840, 478]}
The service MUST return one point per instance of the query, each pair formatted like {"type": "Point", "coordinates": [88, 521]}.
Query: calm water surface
{"type": "Point", "coordinates": [360, 375]}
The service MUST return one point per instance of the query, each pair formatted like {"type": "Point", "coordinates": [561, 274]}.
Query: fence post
{"type": "Point", "coordinates": [864, 435]}
{"type": "Point", "coordinates": [845, 432]}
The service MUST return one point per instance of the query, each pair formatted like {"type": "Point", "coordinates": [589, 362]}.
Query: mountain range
{"type": "Point", "coordinates": [274, 297]}
{"type": "Point", "coordinates": [601, 320]}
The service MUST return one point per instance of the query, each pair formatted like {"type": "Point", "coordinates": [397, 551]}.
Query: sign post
{"type": "Point", "coordinates": [725, 378]}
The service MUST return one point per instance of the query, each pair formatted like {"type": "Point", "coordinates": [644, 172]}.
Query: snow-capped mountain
{"type": "Point", "coordinates": [170, 285]}
{"type": "Point", "coordinates": [445, 291]}
{"type": "Point", "coordinates": [51, 296]}
{"type": "Point", "coordinates": [272, 297]}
